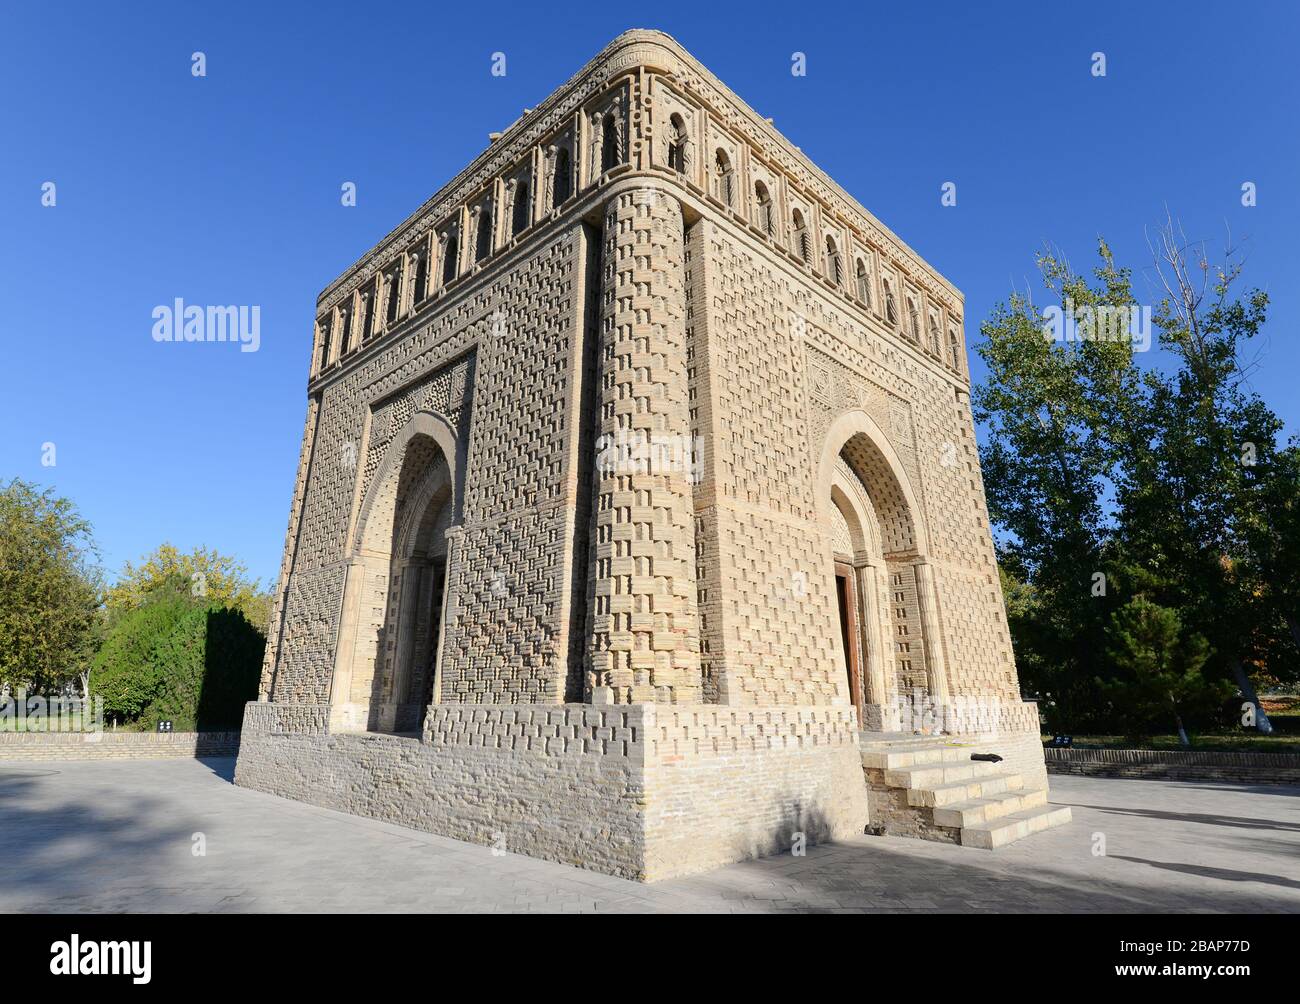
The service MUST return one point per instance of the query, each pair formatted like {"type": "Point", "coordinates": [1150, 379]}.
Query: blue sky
{"type": "Point", "coordinates": [225, 189]}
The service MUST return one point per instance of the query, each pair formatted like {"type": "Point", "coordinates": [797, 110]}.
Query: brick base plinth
{"type": "Point", "coordinates": [643, 791]}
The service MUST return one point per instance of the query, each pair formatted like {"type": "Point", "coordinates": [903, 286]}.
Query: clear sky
{"type": "Point", "coordinates": [225, 189]}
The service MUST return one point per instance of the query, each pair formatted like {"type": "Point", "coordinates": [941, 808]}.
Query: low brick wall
{"type": "Point", "coordinates": [115, 745]}
{"type": "Point", "coordinates": [1176, 765]}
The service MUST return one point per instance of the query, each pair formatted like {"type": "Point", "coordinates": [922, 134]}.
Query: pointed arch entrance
{"type": "Point", "coordinates": [890, 638]}
{"type": "Point", "coordinates": [393, 625]}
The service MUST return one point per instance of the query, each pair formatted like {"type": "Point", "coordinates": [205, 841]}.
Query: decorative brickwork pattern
{"type": "Point", "coordinates": [681, 731]}
{"type": "Point", "coordinates": [641, 264]}
{"type": "Point", "coordinates": [548, 730]}
{"type": "Point", "coordinates": [645, 634]}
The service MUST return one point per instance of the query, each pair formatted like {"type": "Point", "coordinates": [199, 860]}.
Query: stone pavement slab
{"type": "Point", "coordinates": [82, 836]}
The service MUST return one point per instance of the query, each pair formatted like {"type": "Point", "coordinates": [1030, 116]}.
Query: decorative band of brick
{"type": "Point", "coordinates": [614, 730]}
{"type": "Point", "coordinates": [711, 728]}
{"type": "Point", "coordinates": [619, 730]}
{"type": "Point", "coordinates": [1020, 716]}
{"type": "Point", "coordinates": [286, 719]}
{"type": "Point", "coordinates": [1188, 758]}
{"type": "Point", "coordinates": [969, 715]}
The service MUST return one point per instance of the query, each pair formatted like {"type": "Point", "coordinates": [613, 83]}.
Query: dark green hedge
{"type": "Point", "coordinates": [195, 666]}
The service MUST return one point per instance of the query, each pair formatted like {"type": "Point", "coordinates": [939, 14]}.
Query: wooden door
{"type": "Point", "coordinates": [847, 594]}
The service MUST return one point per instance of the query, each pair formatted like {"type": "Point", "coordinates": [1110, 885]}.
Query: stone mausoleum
{"type": "Point", "coordinates": [638, 522]}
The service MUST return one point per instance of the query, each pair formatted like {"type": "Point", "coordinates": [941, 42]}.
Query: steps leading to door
{"type": "Point", "coordinates": [932, 789]}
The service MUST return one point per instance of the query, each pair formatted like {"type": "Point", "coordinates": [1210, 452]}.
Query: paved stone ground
{"type": "Point", "coordinates": [117, 836]}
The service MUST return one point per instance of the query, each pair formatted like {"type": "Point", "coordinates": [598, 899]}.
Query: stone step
{"type": "Point", "coordinates": [963, 791]}
{"type": "Point", "coordinates": [932, 775]}
{"type": "Point", "coordinates": [988, 807]}
{"type": "Point", "coordinates": [893, 759]}
{"type": "Point", "coordinates": [1014, 826]}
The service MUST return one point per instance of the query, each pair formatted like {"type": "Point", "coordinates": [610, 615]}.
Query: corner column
{"type": "Point", "coordinates": [644, 637]}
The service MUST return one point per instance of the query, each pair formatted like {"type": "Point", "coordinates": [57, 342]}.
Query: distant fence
{"type": "Point", "coordinates": [1176, 765]}
{"type": "Point", "coordinates": [115, 745]}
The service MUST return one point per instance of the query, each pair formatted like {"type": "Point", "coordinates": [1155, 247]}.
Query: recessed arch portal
{"type": "Point", "coordinates": [387, 657]}
{"type": "Point", "coordinates": [890, 639]}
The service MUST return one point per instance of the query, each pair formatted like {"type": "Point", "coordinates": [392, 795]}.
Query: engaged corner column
{"type": "Point", "coordinates": [876, 711]}
{"type": "Point", "coordinates": [936, 667]}
{"type": "Point", "coordinates": [344, 714]}
{"type": "Point", "coordinates": [644, 638]}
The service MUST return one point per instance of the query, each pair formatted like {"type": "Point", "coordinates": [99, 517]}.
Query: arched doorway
{"type": "Point", "coordinates": [407, 642]}
{"type": "Point", "coordinates": [390, 640]}
{"type": "Point", "coordinates": [890, 638]}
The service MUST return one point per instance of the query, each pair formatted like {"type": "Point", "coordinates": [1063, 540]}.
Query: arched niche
{"type": "Point", "coordinates": [389, 647]}
{"type": "Point", "coordinates": [890, 638]}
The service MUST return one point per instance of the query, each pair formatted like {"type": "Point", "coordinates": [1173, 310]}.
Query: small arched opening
{"type": "Point", "coordinates": [800, 236]}
{"type": "Point", "coordinates": [723, 177]}
{"type": "Point", "coordinates": [763, 201]}
{"type": "Point", "coordinates": [562, 179]}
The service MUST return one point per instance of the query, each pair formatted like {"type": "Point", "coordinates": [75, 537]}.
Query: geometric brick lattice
{"type": "Point", "coordinates": [630, 421]}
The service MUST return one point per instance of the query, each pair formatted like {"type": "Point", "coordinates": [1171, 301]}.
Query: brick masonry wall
{"type": "Point", "coordinates": [495, 360]}
{"type": "Point", "coordinates": [1175, 765]}
{"type": "Point", "coordinates": [644, 588]}
{"type": "Point", "coordinates": [523, 789]}
{"type": "Point", "coordinates": [115, 745]}
{"type": "Point", "coordinates": [796, 358]}
{"type": "Point", "coordinates": [633, 790]}
{"type": "Point", "coordinates": [1020, 751]}
{"type": "Point", "coordinates": [729, 784]}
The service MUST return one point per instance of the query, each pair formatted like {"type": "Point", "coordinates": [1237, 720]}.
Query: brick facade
{"type": "Point", "coordinates": [628, 420]}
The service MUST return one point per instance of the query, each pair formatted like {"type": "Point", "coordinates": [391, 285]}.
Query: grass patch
{"type": "Point", "coordinates": [1227, 742]}
{"type": "Point", "coordinates": [1284, 706]}
{"type": "Point", "coordinates": [1283, 711]}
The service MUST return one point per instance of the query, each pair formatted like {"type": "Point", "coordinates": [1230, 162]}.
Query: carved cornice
{"type": "Point", "coordinates": [738, 118]}
{"type": "Point", "coordinates": [621, 56]}
{"type": "Point", "coordinates": [629, 52]}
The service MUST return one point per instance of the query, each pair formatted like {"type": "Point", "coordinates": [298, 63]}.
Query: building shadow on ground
{"type": "Point", "coordinates": [875, 877]}
{"type": "Point", "coordinates": [222, 766]}
{"type": "Point", "coordinates": [1206, 871]}
{"type": "Point", "coordinates": [1207, 818]}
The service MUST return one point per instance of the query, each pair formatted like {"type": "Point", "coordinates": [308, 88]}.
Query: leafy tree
{"type": "Point", "coordinates": [49, 590]}
{"type": "Point", "coordinates": [1162, 664]}
{"type": "Point", "coordinates": [209, 666]}
{"type": "Point", "coordinates": [1189, 501]}
{"type": "Point", "coordinates": [126, 673]}
{"type": "Point", "coordinates": [195, 665]}
{"type": "Point", "coordinates": [1267, 520]}
{"type": "Point", "coordinates": [1170, 482]}
{"type": "Point", "coordinates": [206, 576]}
{"type": "Point", "coordinates": [1056, 411]}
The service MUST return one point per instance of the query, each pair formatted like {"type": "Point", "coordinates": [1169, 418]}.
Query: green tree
{"type": "Point", "coordinates": [1267, 521]}
{"type": "Point", "coordinates": [205, 575]}
{"type": "Point", "coordinates": [1056, 411]}
{"type": "Point", "coordinates": [126, 673]}
{"type": "Point", "coordinates": [192, 664]}
{"type": "Point", "coordinates": [209, 666]}
{"type": "Point", "coordinates": [1193, 486]}
{"type": "Point", "coordinates": [1162, 665]}
{"type": "Point", "coordinates": [1169, 481]}
{"type": "Point", "coordinates": [49, 590]}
